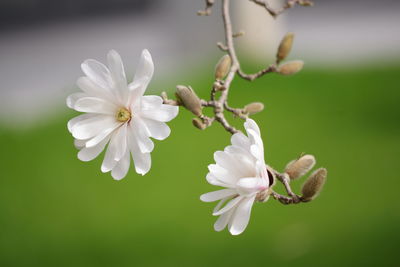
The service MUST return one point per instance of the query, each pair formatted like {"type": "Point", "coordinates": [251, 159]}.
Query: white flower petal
{"type": "Point", "coordinates": [103, 134]}
{"type": "Point", "coordinates": [239, 139]}
{"type": "Point", "coordinates": [143, 75]}
{"type": "Point", "coordinates": [121, 144]}
{"type": "Point", "coordinates": [92, 126]}
{"type": "Point", "coordinates": [252, 125]}
{"type": "Point", "coordinates": [95, 105]}
{"type": "Point", "coordinates": [79, 144]}
{"type": "Point", "coordinates": [136, 91]}
{"type": "Point", "coordinates": [97, 72]}
{"type": "Point", "coordinates": [141, 134]}
{"type": "Point", "coordinates": [223, 220]}
{"type": "Point", "coordinates": [116, 67]}
{"type": "Point", "coordinates": [108, 162]}
{"type": "Point", "coordinates": [230, 163]}
{"type": "Point", "coordinates": [221, 203]}
{"type": "Point", "coordinates": [241, 216]}
{"type": "Point", "coordinates": [231, 204]}
{"type": "Point", "coordinates": [116, 149]}
{"type": "Point", "coordinates": [121, 169]}
{"type": "Point", "coordinates": [157, 130]}
{"type": "Point", "coordinates": [145, 68]}
{"type": "Point", "coordinates": [88, 154]}
{"type": "Point", "coordinates": [92, 89]}
{"type": "Point", "coordinates": [117, 74]}
{"type": "Point", "coordinates": [163, 113]}
{"type": "Point", "coordinates": [71, 99]}
{"type": "Point", "coordinates": [142, 160]}
{"type": "Point", "coordinates": [72, 122]}
{"type": "Point", "coordinates": [223, 175]}
{"type": "Point", "coordinates": [217, 195]}
{"type": "Point", "coordinates": [149, 102]}
{"type": "Point", "coordinates": [211, 179]}
{"type": "Point", "coordinates": [251, 185]}
{"type": "Point", "coordinates": [244, 159]}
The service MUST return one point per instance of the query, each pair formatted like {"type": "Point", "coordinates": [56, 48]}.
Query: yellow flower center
{"type": "Point", "coordinates": [123, 115]}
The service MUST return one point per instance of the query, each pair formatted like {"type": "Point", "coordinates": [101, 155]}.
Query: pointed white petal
{"type": "Point", "coordinates": [108, 162]}
{"type": "Point", "coordinates": [97, 73]}
{"type": "Point", "coordinates": [79, 144]}
{"type": "Point", "coordinates": [117, 74]}
{"type": "Point", "coordinates": [72, 122]}
{"type": "Point", "coordinates": [142, 160]}
{"type": "Point", "coordinates": [121, 169]}
{"type": "Point", "coordinates": [141, 134]}
{"type": "Point", "coordinates": [221, 203]}
{"type": "Point", "coordinates": [92, 126]}
{"type": "Point", "coordinates": [157, 130]}
{"type": "Point", "coordinates": [71, 99]}
{"type": "Point", "coordinates": [231, 204]}
{"type": "Point", "coordinates": [241, 216]}
{"type": "Point", "coordinates": [145, 68]}
{"type": "Point", "coordinates": [230, 163]}
{"type": "Point", "coordinates": [149, 102]}
{"type": "Point", "coordinates": [88, 154]}
{"type": "Point", "coordinates": [116, 67]}
{"type": "Point", "coordinates": [223, 220]}
{"type": "Point", "coordinates": [163, 113]}
{"type": "Point", "coordinates": [252, 125]}
{"type": "Point", "coordinates": [217, 195]}
{"type": "Point", "coordinates": [244, 159]}
{"type": "Point", "coordinates": [115, 150]}
{"type": "Point", "coordinates": [215, 181]}
{"type": "Point", "coordinates": [95, 105]}
{"type": "Point", "coordinates": [223, 175]}
{"type": "Point", "coordinates": [121, 145]}
{"type": "Point", "coordinates": [251, 185]}
{"type": "Point", "coordinates": [102, 135]}
{"type": "Point", "coordinates": [92, 89]}
{"type": "Point", "coordinates": [239, 139]}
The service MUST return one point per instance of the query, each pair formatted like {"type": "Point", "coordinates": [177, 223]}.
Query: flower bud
{"type": "Point", "coordinates": [223, 66]}
{"type": "Point", "coordinates": [306, 3]}
{"type": "Point", "coordinates": [314, 184]}
{"type": "Point", "coordinates": [253, 108]}
{"type": "Point", "coordinates": [290, 67]}
{"type": "Point", "coordinates": [189, 99]}
{"type": "Point", "coordinates": [198, 123]}
{"type": "Point", "coordinates": [298, 167]}
{"type": "Point", "coordinates": [285, 46]}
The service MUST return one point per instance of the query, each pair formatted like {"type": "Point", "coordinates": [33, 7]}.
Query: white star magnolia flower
{"type": "Point", "coordinates": [118, 114]}
{"type": "Point", "coordinates": [241, 169]}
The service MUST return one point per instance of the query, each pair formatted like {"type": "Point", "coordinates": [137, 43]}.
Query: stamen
{"type": "Point", "coordinates": [123, 115]}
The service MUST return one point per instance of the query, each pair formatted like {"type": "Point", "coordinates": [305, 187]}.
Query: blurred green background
{"type": "Point", "coordinates": [58, 211]}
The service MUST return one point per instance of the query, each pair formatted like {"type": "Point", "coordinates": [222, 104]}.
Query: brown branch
{"type": "Point", "coordinates": [220, 104]}
{"type": "Point", "coordinates": [251, 77]}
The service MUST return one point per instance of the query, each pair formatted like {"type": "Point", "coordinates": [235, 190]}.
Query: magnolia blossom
{"type": "Point", "coordinates": [242, 171]}
{"type": "Point", "coordinates": [118, 114]}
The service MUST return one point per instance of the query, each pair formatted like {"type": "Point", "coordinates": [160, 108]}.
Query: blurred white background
{"type": "Point", "coordinates": [43, 42]}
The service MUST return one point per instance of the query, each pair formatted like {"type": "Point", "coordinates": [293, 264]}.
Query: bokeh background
{"type": "Point", "coordinates": [343, 108]}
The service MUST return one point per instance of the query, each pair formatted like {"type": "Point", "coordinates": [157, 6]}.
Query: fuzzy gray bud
{"type": "Point", "coordinates": [312, 187]}
{"type": "Point", "coordinates": [189, 99]}
{"type": "Point", "coordinates": [290, 67]}
{"type": "Point", "coordinates": [298, 167]}
{"type": "Point", "coordinates": [285, 47]}
{"type": "Point", "coordinates": [198, 123]}
{"type": "Point", "coordinates": [253, 108]}
{"type": "Point", "coordinates": [222, 68]}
